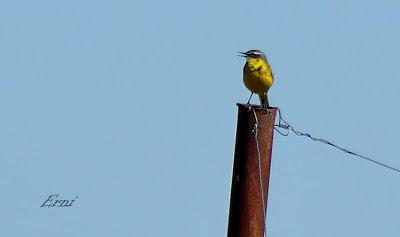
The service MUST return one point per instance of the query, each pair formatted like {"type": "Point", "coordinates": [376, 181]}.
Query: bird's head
{"type": "Point", "coordinates": [253, 54]}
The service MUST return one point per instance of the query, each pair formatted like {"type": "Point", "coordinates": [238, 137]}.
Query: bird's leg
{"type": "Point", "coordinates": [264, 101]}
{"type": "Point", "coordinates": [248, 102]}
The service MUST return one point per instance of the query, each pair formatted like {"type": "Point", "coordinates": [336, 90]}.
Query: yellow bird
{"type": "Point", "coordinates": [257, 75]}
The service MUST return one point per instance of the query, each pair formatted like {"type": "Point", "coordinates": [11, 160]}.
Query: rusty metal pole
{"type": "Point", "coordinates": [246, 213]}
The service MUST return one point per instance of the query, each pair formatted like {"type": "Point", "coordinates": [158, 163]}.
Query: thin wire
{"type": "Point", "coordinates": [255, 131]}
{"type": "Point", "coordinates": [287, 128]}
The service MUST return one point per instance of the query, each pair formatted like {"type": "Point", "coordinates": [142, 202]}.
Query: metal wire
{"type": "Point", "coordinates": [286, 127]}
{"type": "Point", "coordinates": [255, 131]}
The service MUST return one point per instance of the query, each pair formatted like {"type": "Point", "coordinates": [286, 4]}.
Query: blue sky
{"type": "Point", "coordinates": [130, 105]}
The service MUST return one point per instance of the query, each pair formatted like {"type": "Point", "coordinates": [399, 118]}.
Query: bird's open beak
{"type": "Point", "coordinates": [241, 54]}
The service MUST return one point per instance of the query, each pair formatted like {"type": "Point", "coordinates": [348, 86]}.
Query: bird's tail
{"type": "Point", "coordinates": [264, 100]}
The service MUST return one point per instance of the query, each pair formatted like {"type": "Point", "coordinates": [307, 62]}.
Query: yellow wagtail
{"type": "Point", "coordinates": [257, 75]}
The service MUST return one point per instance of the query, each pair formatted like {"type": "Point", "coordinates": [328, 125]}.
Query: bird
{"type": "Point", "coordinates": [257, 75]}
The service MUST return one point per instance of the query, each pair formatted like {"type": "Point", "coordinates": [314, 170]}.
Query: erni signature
{"type": "Point", "coordinates": [54, 201]}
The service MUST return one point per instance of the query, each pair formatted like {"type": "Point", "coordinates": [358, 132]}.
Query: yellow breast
{"type": "Point", "coordinates": [257, 76]}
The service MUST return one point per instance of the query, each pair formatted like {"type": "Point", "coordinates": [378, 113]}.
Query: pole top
{"type": "Point", "coordinates": [256, 107]}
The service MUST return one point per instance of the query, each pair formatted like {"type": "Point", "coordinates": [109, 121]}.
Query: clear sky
{"type": "Point", "coordinates": [130, 106]}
